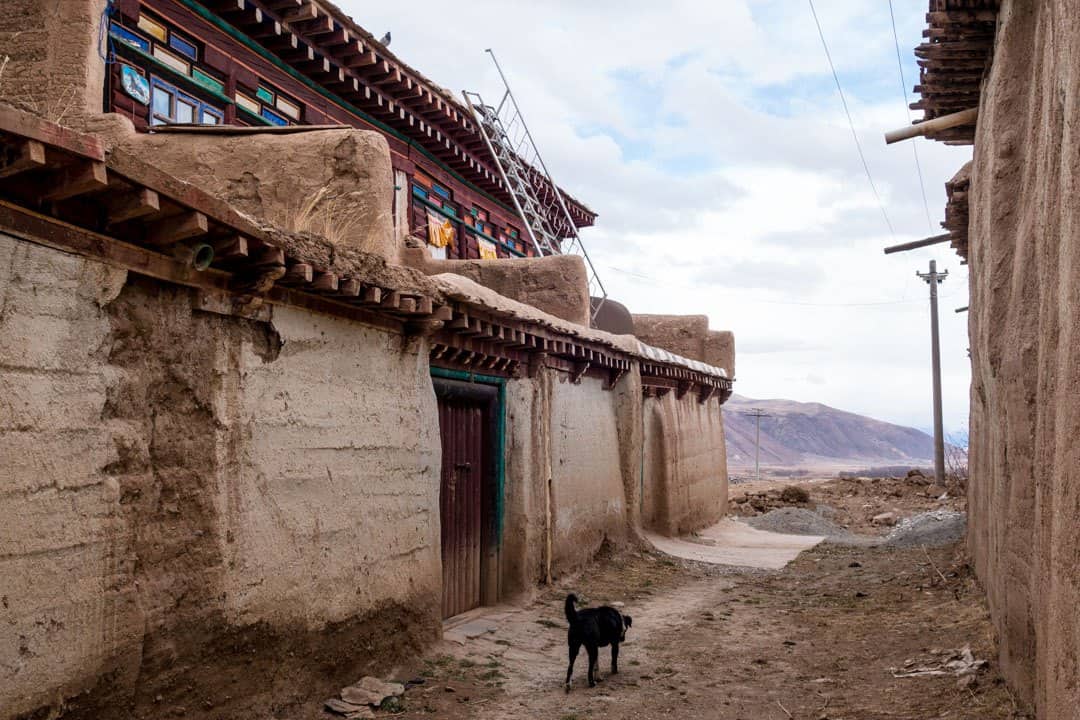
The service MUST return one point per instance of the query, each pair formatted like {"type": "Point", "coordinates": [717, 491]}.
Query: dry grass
{"type": "Point", "coordinates": [338, 217]}
{"type": "Point", "coordinates": [51, 108]}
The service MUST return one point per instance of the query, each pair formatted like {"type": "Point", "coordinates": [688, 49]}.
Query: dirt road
{"type": "Point", "coordinates": [822, 639]}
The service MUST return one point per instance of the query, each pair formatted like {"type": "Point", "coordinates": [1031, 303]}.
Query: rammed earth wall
{"type": "Point", "coordinates": [1025, 334]}
{"type": "Point", "coordinates": [205, 512]}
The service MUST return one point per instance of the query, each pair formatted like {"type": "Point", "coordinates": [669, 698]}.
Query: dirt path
{"type": "Point", "coordinates": [819, 639]}
{"type": "Point", "coordinates": [823, 638]}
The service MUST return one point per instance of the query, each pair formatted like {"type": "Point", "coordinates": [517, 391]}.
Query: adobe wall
{"type": "Point", "coordinates": [1025, 340]}
{"type": "Point", "coordinates": [51, 61]}
{"type": "Point", "coordinates": [194, 500]}
{"type": "Point", "coordinates": [689, 336]}
{"type": "Point", "coordinates": [333, 183]}
{"type": "Point", "coordinates": [556, 284]}
{"type": "Point", "coordinates": [588, 497]}
{"type": "Point", "coordinates": [684, 465]}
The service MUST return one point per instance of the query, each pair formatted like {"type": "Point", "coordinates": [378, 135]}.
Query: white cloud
{"type": "Point", "coordinates": [710, 139]}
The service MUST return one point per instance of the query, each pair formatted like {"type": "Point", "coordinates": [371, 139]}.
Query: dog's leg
{"type": "Point", "coordinates": [594, 665]}
{"type": "Point", "coordinates": [575, 646]}
{"type": "Point", "coordinates": [614, 658]}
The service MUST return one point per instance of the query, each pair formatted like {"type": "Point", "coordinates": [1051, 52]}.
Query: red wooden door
{"type": "Point", "coordinates": [462, 426]}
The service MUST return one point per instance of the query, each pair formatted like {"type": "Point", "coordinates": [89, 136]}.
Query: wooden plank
{"type": "Point", "coordinates": [306, 11]}
{"type": "Point", "coordinates": [372, 296]}
{"type": "Point", "coordinates": [391, 300]}
{"type": "Point", "coordinates": [172, 230]}
{"type": "Point", "coordinates": [298, 274]}
{"type": "Point", "coordinates": [325, 282]}
{"type": "Point", "coordinates": [78, 179]}
{"type": "Point", "coordinates": [24, 155]}
{"type": "Point", "coordinates": [231, 248]}
{"type": "Point", "coordinates": [31, 127]}
{"type": "Point", "coordinates": [244, 129]}
{"type": "Point", "coordinates": [140, 202]}
{"type": "Point", "coordinates": [349, 288]}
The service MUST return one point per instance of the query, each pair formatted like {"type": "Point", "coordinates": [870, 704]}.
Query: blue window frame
{"type": "Point", "coordinates": [273, 117]}
{"type": "Point", "coordinates": [168, 104]}
{"type": "Point", "coordinates": [124, 35]}
{"type": "Point", "coordinates": [183, 46]}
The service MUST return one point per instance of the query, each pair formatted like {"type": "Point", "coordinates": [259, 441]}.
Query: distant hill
{"type": "Point", "coordinates": [812, 435]}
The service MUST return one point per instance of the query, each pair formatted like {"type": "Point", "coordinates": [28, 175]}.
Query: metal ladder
{"type": "Point", "coordinates": [541, 205]}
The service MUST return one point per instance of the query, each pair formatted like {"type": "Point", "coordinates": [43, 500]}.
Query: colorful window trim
{"type": "Point", "coordinates": [175, 56]}
{"type": "Point", "coordinates": [180, 54]}
{"type": "Point", "coordinates": [271, 105]}
{"type": "Point", "coordinates": [169, 104]}
{"type": "Point", "coordinates": [420, 195]}
{"type": "Point", "coordinates": [122, 34]}
{"type": "Point", "coordinates": [168, 37]}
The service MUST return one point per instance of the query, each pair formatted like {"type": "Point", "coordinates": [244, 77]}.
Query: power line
{"type": "Point", "coordinates": [907, 108]}
{"type": "Point", "coordinates": [851, 123]}
{"type": "Point", "coordinates": [745, 299]}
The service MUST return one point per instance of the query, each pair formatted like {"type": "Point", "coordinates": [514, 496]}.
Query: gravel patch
{"type": "Point", "coordinates": [932, 529]}
{"type": "Point", "coordinates": [801, 521]}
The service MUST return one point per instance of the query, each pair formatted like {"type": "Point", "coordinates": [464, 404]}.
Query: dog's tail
{"type": "Point", "coordinates": [571, 613]}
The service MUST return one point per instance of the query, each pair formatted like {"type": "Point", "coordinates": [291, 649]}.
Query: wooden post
{"type": "Point", "coordinates": [964, 117]}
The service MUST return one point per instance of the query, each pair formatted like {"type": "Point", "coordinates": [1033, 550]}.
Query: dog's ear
{"type": "Point", "coordinates": [627, 620]}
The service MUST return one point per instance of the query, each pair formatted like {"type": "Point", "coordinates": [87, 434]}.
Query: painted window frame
{"type": "Point", "coordinates": [201, 107]}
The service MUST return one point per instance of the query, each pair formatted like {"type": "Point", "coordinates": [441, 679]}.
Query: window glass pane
{"type": "Point", "coordinates": [155, 120]}
{"type": "Point", "coordinates": [183, 46]}
{"type": "Point", "coordinates": [161, 98]}
{"type": "Point", "coordinates": [185, 112]}
{"type": "Point", "coordinates": [210, 117]}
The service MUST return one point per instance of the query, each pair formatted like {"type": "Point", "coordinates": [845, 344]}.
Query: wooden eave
{"type": "Point", "coordinates": [956, 220]}
{"type": "Point", "coordinates": [350, 62]}
{"type": "Point", "coordinates": [958, 48]}
{"type": "Point", "coordinates": [63, 189]}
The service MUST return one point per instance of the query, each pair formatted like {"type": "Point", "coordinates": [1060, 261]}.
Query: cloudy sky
{"type": "Point", "coordinates": [710, 138]}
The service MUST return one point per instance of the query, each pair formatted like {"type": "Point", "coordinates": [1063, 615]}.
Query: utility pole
{"type": "Point", "coordinates": [933, 279]}
{"type": "Point", "coordinates": [757, 414]}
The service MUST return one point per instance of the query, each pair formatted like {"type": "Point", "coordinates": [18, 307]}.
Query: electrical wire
{"type": "Point", "coordinates": [851, 123]}
{"type": "Point", "coordinates": [907, 108]}
{"type": "Point", "coordinates": [744, 299]}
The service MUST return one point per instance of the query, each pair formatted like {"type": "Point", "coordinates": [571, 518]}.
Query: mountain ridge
{"type": "Point", "coordinates": [810, 435]}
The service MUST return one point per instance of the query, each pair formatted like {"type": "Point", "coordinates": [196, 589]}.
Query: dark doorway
{"type": "Point", "coordinates": [466, 491]}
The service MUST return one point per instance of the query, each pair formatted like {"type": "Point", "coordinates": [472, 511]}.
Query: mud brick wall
{"type": "Point", "coordinates": [52, 62]}
{"type": "Point", "coordinates": [1025, 340]}
{"type": "Point", "coordinates": [689, 336]}
{"type": "Point", "coordinates": [198, 508]}
{"type": "Point", "coordinates": [684, 472]}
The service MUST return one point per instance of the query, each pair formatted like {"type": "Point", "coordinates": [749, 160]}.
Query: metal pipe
{"type": "Point", "coordinates": [197, 256]}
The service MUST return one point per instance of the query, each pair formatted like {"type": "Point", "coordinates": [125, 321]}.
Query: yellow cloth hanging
{"type": "Point", "coordinates": [440, 230]}
{"type": "Point", "coordinates": [487, 249]}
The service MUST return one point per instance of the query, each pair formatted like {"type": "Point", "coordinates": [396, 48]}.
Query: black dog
{"type": "Point", "coordinates": [594, 628]}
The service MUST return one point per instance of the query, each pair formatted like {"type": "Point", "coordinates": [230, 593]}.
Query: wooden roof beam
{"type": "Point", "coordinates": [79, 178]}
{"type": "Point", "coordinates": [21, 156]}
{"type": "Point", "coordinates": [137, 203]}
{"type": "Point", "coordinates": [172, 230]}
